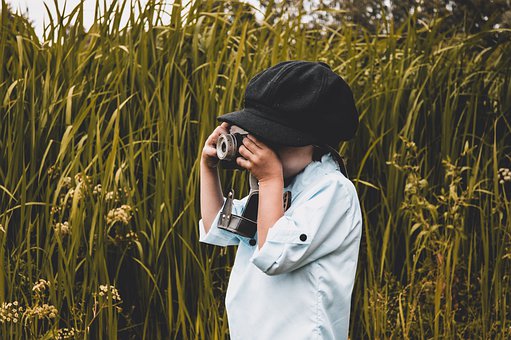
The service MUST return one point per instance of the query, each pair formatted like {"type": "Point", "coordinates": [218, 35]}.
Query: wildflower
{"type": "Point", "coordinates": [66, 333]}
{"type": "Point", "coordinates": [40, 286]}
{"type": "Point", "coordinates": [62, 228]}
{"type": "Point", "coordinates": [9, 312]}
{"type": "Point", "coordinates": [109, 195]}
{"type": "Point", "coordinates": [105, 290]}
{"type": "Point", "coordinates": [56, 210]}
{"type": "Point", "coordinates": [97, 189]}
{"type": "Point", "coordinates": [131, 236]}
{"type": "Point", "coordinates": [504, 175]}
{"type": "Point", "coordinates": [122, 214]}
{"type": "Point", "coordinates": [45, 311]}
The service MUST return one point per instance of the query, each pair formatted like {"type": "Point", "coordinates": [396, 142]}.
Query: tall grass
{"type": "Point", "coordinates": [99, 137]}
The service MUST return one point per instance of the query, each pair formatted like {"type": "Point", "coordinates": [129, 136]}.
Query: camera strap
{"type": "Point", "coordinates": [246, 224]}
{"type": "Point", "coordinates": [254, 187]}
{"type": "Point", "coordinates": [339, 159]}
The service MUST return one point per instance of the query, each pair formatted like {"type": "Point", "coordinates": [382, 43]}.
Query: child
{"type": "Point", "coordinates": [294, 279]}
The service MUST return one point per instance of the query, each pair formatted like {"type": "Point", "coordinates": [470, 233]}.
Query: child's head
{"type": "Point", "coordinates": [292, 158]}
{"type": "Point", "coordinates": [296, 105]}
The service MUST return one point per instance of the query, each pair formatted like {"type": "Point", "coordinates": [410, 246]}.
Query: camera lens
{"type": "Point", "coordinates": [226, 148]}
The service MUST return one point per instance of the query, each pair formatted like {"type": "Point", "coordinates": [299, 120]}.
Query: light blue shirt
{"type": "Point", "coordinates": [299, 284]}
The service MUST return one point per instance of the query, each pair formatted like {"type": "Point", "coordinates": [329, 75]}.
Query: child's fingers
{"type": "Point", "coordinates": [223, 128]}
{"type": "Point", "coordinates": [245, 152]}
{"type": "Point", "coordinates": [244, 163]}
{"type": "Point", "coordinates": [252, 140]}
{"type": "Point", "coordinates": [210, 151]}
{"type": "Point", "coordinates": [220, 130]}
{"type": "Point", "coordinates": [251, 143]}
{"type": "Point", "coordinates": [213, 139]}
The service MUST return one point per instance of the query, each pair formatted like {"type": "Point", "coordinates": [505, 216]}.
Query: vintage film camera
{"type": "Point", "coordinates": [228, 146]}
{"type": "Point", "coordinates": [227, 149]}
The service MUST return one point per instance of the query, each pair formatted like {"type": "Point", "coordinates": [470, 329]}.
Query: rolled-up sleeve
{"type": "Point", "coordinates": [217, 236]}
{"type": "Point", "coordinates": [314, 228]}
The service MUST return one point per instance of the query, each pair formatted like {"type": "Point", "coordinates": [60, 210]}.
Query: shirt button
{"type": "Point", "coordinates": [252, 242]}
{"type": "Point", "coordinates": [303, 237]}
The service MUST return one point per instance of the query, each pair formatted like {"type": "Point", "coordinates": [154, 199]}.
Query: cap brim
{"type": "Point", "coordinates": [262, 127]}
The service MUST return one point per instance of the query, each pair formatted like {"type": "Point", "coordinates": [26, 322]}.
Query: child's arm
{"type": "Point", "coordinates": [265, 165]}
{"type": "Point", "coordinates": [326, 219]}
{"type": "Point", "coordinates": [211, 196]}
{"type": "Point", "coordinates": [271, 207]}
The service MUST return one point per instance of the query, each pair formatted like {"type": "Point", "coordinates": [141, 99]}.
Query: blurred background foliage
{"type": "Point", "coordinates": [101, 128]}
{"type": "Point", "coordinates": [467, 15]}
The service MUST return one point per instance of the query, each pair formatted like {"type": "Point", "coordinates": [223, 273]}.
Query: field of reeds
{"type": "Point", "coordinates": [100, 133]}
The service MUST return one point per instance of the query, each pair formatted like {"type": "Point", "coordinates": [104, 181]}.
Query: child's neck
{"type": "Point", "coordinates": [288, 180]}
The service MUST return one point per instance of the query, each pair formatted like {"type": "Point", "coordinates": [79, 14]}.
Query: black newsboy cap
{"type": "Point", "coordinates": [297, 103]}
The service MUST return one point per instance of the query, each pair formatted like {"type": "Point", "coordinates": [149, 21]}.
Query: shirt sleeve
{"type": "Point", "coordinates": [314, 228]}
{"type": "Point", "coordinates": [221, 237]}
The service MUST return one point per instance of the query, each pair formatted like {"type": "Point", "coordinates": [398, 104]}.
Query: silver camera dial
{"type": "Point", "coordinates": [228, 145]}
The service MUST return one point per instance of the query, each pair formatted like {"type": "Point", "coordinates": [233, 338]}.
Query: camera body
{"type": "Point", "coordinates": [227, 150]}
{"type": "Point", "coordinates": [228, 147]}
{"type": "Point", "coordinates": [246, 223]}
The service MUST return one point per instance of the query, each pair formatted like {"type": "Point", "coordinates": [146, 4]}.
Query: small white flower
{"type": "Point", "coordinates": [40, 312]}
{"type": "Point", "coordinates": [122, 214]}
{"type": "Point", "coordinates": [62, 228]}
{"type": "Point", "coordinates": [106, 289]}
{"type": "Point", "coordinates": [504, 175]}
{"type": "Point", "coordinates": [40, 286]}
{"type": "Point", "coordinates": [97, 189]}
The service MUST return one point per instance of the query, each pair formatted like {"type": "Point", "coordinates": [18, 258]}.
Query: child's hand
{"type": "Point", "coordinates": [260, 160]}
{"type": "Point", "coordinates": [209, 156]}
